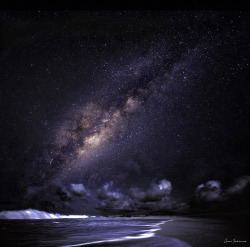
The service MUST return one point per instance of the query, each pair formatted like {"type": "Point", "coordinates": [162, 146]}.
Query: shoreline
{"type": "Point", "coordinates": [206, 232]}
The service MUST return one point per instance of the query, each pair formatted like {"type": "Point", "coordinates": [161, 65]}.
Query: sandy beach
{"type": "Point", "coordinates": [207, 232]}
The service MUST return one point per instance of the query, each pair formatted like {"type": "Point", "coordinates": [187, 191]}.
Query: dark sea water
{"type": "Point", "coordinates": [58, 230]}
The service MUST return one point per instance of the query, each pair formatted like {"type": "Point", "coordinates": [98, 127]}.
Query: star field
{"type": "Point", "coordinates": [86, 94]}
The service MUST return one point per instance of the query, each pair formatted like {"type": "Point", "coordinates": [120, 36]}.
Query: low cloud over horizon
{"type": "Point", "coordinates": [212, 197]}
{"type": "Point", "coordinates": [106, 199]}
{"type": "Point", "coordinates": [156, 198]}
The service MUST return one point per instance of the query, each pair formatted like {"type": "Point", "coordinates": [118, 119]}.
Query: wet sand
{"type": "Point", "coordinates": [208, 232]}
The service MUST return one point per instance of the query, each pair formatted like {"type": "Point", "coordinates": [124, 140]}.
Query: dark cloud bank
{"type": "Point", "coordinates": [156, 199]}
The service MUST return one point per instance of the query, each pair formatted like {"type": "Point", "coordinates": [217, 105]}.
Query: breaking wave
{"type": "Point", "coordinates": [36, 214]}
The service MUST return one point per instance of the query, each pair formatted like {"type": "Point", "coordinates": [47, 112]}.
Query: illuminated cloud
{"type": "Point", "coordinates": [78, 189]}
{"type": "Point", "coordinates": [155, 192]}
{"type": "Point", "coordinates": [210, 191]}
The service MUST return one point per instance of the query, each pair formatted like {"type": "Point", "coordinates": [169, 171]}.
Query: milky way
{"type": "Point", "coordinates": [153, 91]}
{"type": "Point", "coordinates": [94, 126]}
{"type": "Point", "coordinates": [129, 97]}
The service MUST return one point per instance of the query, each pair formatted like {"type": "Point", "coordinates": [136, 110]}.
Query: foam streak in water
{"type": "Point", "coordinates": [145, 234]}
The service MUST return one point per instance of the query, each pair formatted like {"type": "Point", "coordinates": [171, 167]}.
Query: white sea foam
{"type": "Point", "coordinates": [145, 234]}
{"type": "Point", "coordinates": [36, 214]}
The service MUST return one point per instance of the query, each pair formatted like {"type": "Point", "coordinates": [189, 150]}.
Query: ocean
{"type": "Point", "coordinates": [36, 228]}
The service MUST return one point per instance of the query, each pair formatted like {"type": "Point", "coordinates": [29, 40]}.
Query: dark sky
{"type": "Point", "coordinates": [125, 99]}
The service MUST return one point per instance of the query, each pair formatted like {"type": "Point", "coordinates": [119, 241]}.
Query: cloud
{"type": "Point", "coordinates": [105, 192]}
{"type": "Point", "coordinates": [210, 191]}
{"type": "Point", "coordinates": [78, 189]}
{"type": "Point", "coordinates": [136, 193]}
{"type": "Point", "coordinates": [155, 192]}
{"type": "Point", "coordinates": [153, 199]}
{"type": "Point", "coordinates": [212, 198]}
{"type": "Point", "coordinates": [239, 186]}
{"type": "Point", "coordinates": [156, 198]}
{"type": "Point", "coordinates": [109, 199]}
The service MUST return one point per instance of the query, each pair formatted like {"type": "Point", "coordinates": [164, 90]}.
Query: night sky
{"type": "Point", "coordinates": [140, 107]}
